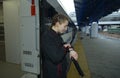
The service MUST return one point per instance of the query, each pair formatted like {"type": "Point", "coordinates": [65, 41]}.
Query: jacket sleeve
{"type": "Point", "coordinates": [54, 51]}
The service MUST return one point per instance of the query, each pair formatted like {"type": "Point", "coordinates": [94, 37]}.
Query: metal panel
{"type": "Point", "coordinates": [25, 8]}
{"type": "Point", "coordinates": [30, 38]}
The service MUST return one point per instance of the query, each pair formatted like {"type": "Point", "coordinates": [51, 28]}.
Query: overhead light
{"type": "Point", "coordinates": [87, 17]}
{"type": "Point", "coordinates": [115, 12]}
{"type": "Point", "coordinates": [119, 10]}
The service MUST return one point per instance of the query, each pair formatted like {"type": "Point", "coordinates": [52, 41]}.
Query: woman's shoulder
{"type": "Point", "coordinates": [47, 34]}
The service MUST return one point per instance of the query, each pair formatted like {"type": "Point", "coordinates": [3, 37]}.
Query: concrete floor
{"type": "Point", "coordinates": [103, 56]}
{"type": "Point", "coordinates": [10, 70]}
{"type": "Point", "coordinates": [73, 73]}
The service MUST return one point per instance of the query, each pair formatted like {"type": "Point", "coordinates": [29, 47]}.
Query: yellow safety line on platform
{"type": "Point", "coordinates": [81, 60]}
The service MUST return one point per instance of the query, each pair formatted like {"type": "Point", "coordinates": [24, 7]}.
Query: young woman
{"type": "Point", "coordinates": [54, 50]}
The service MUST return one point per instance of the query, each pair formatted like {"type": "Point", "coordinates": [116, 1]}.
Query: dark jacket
{"type": "Point", "coordinates": [54, 60]}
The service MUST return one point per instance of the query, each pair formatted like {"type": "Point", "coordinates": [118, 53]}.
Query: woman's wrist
{"type": "Point", "coordinates": [70, 49]}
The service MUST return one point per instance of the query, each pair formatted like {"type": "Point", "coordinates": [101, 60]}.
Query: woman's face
{"type": "Point", "coordinates": [62, 27]}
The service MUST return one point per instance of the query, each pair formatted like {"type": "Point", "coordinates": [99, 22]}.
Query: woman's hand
{"type": "Point", "coordinates": [67, 45]}
{"type": "Point", "coordinates": [73, 54]}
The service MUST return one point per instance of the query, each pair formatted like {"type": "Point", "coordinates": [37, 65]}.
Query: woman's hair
{"type": "Point", "coordinates": [59, 18]}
